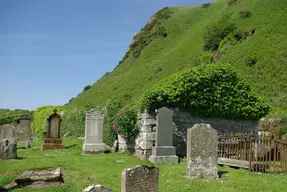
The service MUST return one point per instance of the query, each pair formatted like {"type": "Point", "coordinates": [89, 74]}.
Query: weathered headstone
{"type": "Point", "coordinates": [202, 144]}
{"type": "Point", "coordinates": [164, 151]}
{"type": "Point", "coordinates": [8, 148]}
{"type": "Point", "coordinates": [8, 131]}
{"type": "Point", "coordinates": [53, 139]}
{"type": "Point", "coordinates": [141, 178]}
{"type": "Point", "coordinates": [94, 132]}
{"type": "Point", "coordinates": [24, 130]}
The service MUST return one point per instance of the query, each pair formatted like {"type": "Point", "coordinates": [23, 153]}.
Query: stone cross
{"type": "Point", "coordinates": [94, 132]}
{"type": "Point", "coordinates": [140, 178]}
{"type": "Point", "coordinates": [164, 151]}
{"type": "Point", "coordinates": [202, 144]}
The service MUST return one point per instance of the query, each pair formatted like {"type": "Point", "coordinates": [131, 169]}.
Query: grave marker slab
{"type": "Point", "coordinates": [53, 138]}
{"type": "Point", "coordinates": [8, 148]}
{"type": "Point", "coordinates": [8, 131]}
{"type": "Point", "coordinates": [202, 144]}
{"type": "Point", "coordinates": [94, 132]}
{"type": "Point", "coordinates": [164, 151]}
{"type": "Point", "coordinates": [140, 178]}
{"type": "Point", "coordinates": [24, 129]}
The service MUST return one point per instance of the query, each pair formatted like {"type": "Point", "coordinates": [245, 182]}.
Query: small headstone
{"type": "Point", "coordinates": [8, 131]}
{"type": "Point", "coordinates": [164, 151]}
{"type": "Point", "coordinates": [97, 188]}
{"type": "Point", "coordinates": [8, 148]}
{"type": "Point", "coordinates": [141, 178]}
{"type": "Point", "coordinates": [94, 132]}
{"type": "Point", "coordinates": [202, 143]}
{"type": "Point", "coordinates": [53, 138]}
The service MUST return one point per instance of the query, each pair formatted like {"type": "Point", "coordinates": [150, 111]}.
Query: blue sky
{"type": "Point", "coordinates": [51, 49]}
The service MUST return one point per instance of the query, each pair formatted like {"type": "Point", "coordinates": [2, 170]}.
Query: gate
{"type": "Point", "coordinates": [258, 153]}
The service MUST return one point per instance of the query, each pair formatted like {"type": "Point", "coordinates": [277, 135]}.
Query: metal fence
{"type": "Point", "coordinates": [259, 153]}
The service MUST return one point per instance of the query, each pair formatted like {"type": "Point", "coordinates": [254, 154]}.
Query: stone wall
{"type": "Point", "coordinates": [182, 121]}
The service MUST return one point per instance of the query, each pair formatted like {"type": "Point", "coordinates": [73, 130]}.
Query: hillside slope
{"type": "Point", "coordinates": [173, 40]}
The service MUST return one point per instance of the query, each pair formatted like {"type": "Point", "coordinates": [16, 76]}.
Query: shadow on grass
{"type": "Point", "coordinates": [70, 146]}
{"type": "Point", "coordinates": [221, 173]}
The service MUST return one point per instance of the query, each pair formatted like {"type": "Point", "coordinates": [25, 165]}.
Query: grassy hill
{"type": "Point", "coordinates": [173, 39]}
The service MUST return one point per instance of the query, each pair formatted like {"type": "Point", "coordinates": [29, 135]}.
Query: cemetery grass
{"type": "Point", "coordinates": [81, 171]}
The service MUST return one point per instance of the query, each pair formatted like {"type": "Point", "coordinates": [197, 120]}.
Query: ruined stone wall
{"type": "Point", "coordinates": [182, 121]}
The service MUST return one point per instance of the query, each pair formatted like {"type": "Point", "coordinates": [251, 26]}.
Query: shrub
{"type": "Point", "coordinates": [87, 88]}
{"type": "Point", "coordinates": [245, 14]}
{"type": "Point", "coordinates": [205, 5]}
{"type": "Point", "coordinates": [13, 116]}
{"type": "Point", "coordinates": [125, 123]}
{"type": "Point", "coordinates": [73, 122]}
{"type": "Point", "coordinates": [206, 58]}
{"type": "Point", "coordinates": [209, 91]}
{"type": "Point", "coordinates": [283, 130]}
{"type": "Point", "coordinates": [251, 61]}
{"type": "Point", "coordinates": [231, 2]}
{"type": "Point", "coordinates": [216, 32]}
{"type": "Point", "coordinates": [112, 108]}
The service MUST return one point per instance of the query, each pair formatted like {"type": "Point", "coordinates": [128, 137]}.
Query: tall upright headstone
{"type": "Point", "coordinates": [140, 178]}
{"type": "Point", "coordinates": [202, 144]}
{"type": "Point", "coordinates": [164, 151]}
{"type": "Point", "coordinates": [24, 130]}
{"type": "Point", "coordinates": [53, 138]}
{"type": "Point", "coordinates": [94, 132]}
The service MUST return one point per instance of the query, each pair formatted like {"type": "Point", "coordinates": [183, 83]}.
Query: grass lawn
{"type": "Point", "coordinates": [81, 171]}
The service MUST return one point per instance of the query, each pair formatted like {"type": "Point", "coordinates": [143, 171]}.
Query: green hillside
{"type": "Point", "coordinates": [174, 39]}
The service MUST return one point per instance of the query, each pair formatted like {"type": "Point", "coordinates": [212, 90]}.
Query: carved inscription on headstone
{"type": "Point", "coordinates": [141, 178]}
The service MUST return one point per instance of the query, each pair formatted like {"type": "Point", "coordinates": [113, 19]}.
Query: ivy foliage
{"type": "Point", "coordinates": [13, 116]}
{"type": "Point", "coordinates": [113, 106]}
{"type": "Point", "coordinates": [73, 121]}
{"type": "Point", "coordinates": [40, 116]}
{"type": "Point", "coordinates": [212, 90]}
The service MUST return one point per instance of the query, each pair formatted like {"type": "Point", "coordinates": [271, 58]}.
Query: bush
{"type": "Point", "coordinates": [245, 14]}
{"type": "Point", "coordinates": [112, 108]}
{"type": "Point", "coordinates": [125, 123]}
{"type": "Point", "coordinates": [231, 2]}
{"type": "Point", "coordinates": [251, 61]}
{"type": "Point", "coordinates": [205, 5]}
{"type": "Point", "coordinates": [213, 90]}
{"type": "Point", "coordinates": [73, 122]}
{"type": "Point", "coordinates": [216, 32]}
{"type": "Point", "coordinates": [283, 130]}
{"type": "Point", "coordinates": [87, 88]}
{"type": "Point", "coordinates": [206, 58]}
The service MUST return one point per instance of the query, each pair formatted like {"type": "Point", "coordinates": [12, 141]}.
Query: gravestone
{"type": "Point", "coordinates": [24, 130]}
{"type": "Point", "coordinates": [53, 139]}
{"type": "Point", "coordinates": [8, 131]}
{"type": "Point", "coordinates": [94, 132]}
{"type": "Point", "coordinates": [202, 144]}
{"type": "Point", "coordinates": [164, 151]}
{"type": "Point", "coordinates": [8, 148]}
{"type": "Point", "coordinates": [140, 178]}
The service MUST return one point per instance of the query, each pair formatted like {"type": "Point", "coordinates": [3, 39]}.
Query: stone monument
{"type": "Point", "coordinates": [94, 132]}
{"type": "Point", "coordinates": [202, 144]}
{"type": "Point", "coordinates": [8, 131]}
{"type": "Point", "coordinates": [140, 178]}
{"type": "Point", "coordinates": [53, 139]}
{"type": "Point", "coordinates": [164, 151]}
{"type": "Point", "coordinates": [24, 130]}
